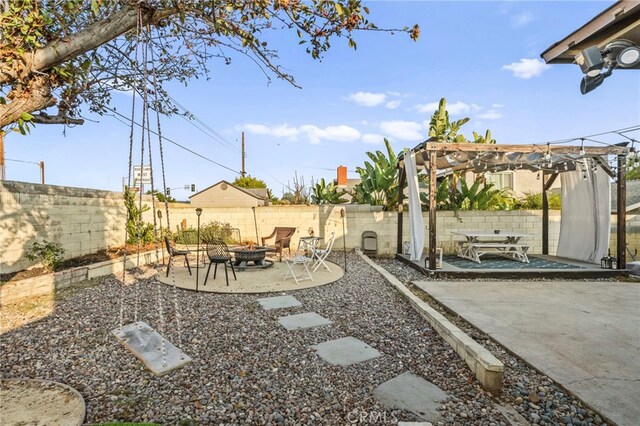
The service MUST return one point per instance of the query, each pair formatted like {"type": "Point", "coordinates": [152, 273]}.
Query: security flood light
{"type": "Point", "coordinates": [590, 60]}
{"type": "Point", "coordinates": [616, 54]}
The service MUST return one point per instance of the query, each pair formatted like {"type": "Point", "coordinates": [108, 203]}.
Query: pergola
{"type": "Point", "coordinates": [550, 160]}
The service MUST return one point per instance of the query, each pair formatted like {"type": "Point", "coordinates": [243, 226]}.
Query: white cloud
{"type": "Point", "coordinates": [458, 108]}
{"type": "Point", "coordinates": [284, 131]}
{"type": "Point", "coordinates": [403, 130]}
{"type": "Point", "coordinates": [491, 114]}
{"type": "Point", "coordinates": [258, 129]}
{"type": "Point", "coordinates": [496, 105]}
{"type": "Point", "coordinates": [339, 133]}
{"type": "Point", "coordinates": [526, 68]}
{"type": "Point", "coordinates": [393, 104]}
{"type": "Point", "coordinates": [475, 107]}
{"type": "Point", "coordinates": [521, 19]}
{"type": "Point", "coordinates": [453, 109]}
{"type": "Point", "coordinates": [367, 99]}
{"type": "Point", "coordinates": [398, 94]}
{"type": "Point", "coordinates": [372, 138]}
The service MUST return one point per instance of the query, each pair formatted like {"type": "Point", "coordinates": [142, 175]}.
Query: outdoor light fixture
{"type": "Point", "coordinates": [616, 54]}
{"type": "Point", "coordinates": [589, 83]}
{"type": "Point", "coordinates": [198, 213]}
{"type": "Point", "coordinates": [590, 60]}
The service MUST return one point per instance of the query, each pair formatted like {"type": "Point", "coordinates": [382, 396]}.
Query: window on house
{"type": "Point", "coordinates": [500, 180]}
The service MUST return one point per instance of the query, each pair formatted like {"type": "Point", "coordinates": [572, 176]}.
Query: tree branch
{"type": "Point", "coordinates": [44, 118]}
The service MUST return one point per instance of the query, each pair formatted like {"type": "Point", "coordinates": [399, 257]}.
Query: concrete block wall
{"type": "Point", "coordinates": [82, 220]}
{"type": "Point", "coordinates": [86, 220]}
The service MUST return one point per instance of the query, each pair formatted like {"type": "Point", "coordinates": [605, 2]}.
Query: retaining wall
{"type": "Point", "coordinates": [86, 220]}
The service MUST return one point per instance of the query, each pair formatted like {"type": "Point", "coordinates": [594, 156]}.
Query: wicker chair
{"type": "Point", "coordinates": [218, 252]}
{"type": "Point", "coordinates": [282, 239]}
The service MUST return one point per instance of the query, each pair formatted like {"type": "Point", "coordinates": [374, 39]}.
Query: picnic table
{"type": "Point", "coordinates": [503, 243]}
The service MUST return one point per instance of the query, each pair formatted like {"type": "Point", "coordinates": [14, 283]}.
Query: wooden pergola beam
{"type": "Point", "coordinates": [604, 166]}
{"type": "Point", "coordinates": [525, 149]}
{"type": "Point", "coordinates": [402, 178]}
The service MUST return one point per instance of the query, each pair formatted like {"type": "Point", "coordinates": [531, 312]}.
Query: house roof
{"type": "Point", "coordinates": [621, 20]}
{"type": "Point", "coordinates": [633, 196]}
{"type": "Point", "coordinates": [254, 192]}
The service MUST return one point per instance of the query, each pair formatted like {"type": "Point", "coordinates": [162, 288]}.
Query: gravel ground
{"type": "Point", "coordinates": [538, 398]}
{"type": "Point", "coordinates": [247, 369]}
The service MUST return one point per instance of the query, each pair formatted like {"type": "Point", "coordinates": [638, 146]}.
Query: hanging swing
{"type": "Point", "coordinates": [157, 353]}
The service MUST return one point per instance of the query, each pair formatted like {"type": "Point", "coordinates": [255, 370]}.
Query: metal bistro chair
{"type": "Point", "coordinates": [320, 255]}
{"type": "Point", "coordinates": [218, 252]}
{"type": "Point", "coordinates": [173, 252]}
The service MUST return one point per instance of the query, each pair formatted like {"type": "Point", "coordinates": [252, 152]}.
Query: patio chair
{"type": "Point", "coordinates": [321, 254]}
{"type": "Point", "coordinates": [282, 239]}
{"type": "Point", "coordinates": [173, 252]}
{"type": "Point", "coordinates": [218, 252]}
{"type": "Point", "coordinates": [304, 274]}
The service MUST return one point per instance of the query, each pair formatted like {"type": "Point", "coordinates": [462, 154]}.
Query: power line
{"type": "Point", "coordinates": [22, 161]}
{"type": "Point", "coordinates": [170, 141]}
{"type": "Point", "coordinates": [211, 133]}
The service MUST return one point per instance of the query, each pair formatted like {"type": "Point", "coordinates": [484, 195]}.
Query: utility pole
{"type": "Point", "coordinates": [42, 171]}
{"type": "Point", "coordinates": [243, 155]}
{"type": "Point", "coordinates": [2, 174]}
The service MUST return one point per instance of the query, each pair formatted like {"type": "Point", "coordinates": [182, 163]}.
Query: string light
{"type": "Point", "coordinates": [582, 146]}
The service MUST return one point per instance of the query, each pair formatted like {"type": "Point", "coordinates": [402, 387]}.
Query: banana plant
{"type": "Point", "coordinates": [444, 130]}
{"type": "Point", "coordinates": [327, 194]}
{"type": "Point", "coordinates": [379, 180]}
{"type": "Point", "coordinates": [478, 138]}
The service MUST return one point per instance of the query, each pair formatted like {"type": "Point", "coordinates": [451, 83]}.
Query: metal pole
{"type": "Point", "coordinates": [255, 222]}
{"type": "Point", "coordinates": [344, 240]}
{"type": "Point", "coordinates": [621, 215]}
{"type": "Point", "coordinates": [198, 213]}
{"type": "Point", "coordinates": [243, 155]}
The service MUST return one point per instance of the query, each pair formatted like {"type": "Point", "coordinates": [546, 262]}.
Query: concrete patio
{"type": "Point", "coordinates": [584, 335]}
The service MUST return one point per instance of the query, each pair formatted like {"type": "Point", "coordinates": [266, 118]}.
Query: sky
{"type": "Point", "coordinates": [482, 56]}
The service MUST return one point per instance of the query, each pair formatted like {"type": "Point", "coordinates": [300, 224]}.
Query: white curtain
{"type": "Point", "coordinates": [416, 242]}
{"type": "Point", "coordinates": [585, 224]}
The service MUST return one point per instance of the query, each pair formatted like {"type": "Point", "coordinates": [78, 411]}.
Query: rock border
{"type": "Point", "coordinates": [14, 291]}
{"type": "Point", "coordinates": [488, 369]}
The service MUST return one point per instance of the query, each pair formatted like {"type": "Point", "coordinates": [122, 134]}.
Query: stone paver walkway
{"type": "Point", "coordinates": [302, 321]}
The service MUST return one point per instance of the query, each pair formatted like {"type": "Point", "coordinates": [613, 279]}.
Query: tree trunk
{"type": "Point", "coordinates": [34, 97]}
{"type": "Point", "coordinates": [34, 92]}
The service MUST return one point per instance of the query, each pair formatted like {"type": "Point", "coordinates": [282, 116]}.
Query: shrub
{"type": "Point", "coordinates": [208, 232]}
{"type": "Point", "coordinates": [47, 252]}
{"type": "Point", "coordinates": [533, 201]}
{"type": "Point", "coordinates": [136, 227]}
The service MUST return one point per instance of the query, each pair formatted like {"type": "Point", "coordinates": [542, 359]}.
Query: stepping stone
{"type": "Point", "coordinates": [415, 424]}
{"type": "Point", "coordinates": [346, 351]}
{"type": "Point", "coordinates": [300, 321]}
{"type": "Point", "coordinates": [412, 393]}
{"type": "Point", "coordinates": [147, 345]}
{"type": "Point", "coordinates": [278, 302]}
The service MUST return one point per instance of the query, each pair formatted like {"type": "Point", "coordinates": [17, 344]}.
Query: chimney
{"type": "Point", "coordinates": [342, 176]}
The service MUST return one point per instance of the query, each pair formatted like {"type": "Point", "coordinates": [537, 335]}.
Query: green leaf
{"type": "Point", "coordinates": [95, 7]}
{"type": "Point", "coordinates": [339, 9]}
{"type": "Point", "coordinates": [25, 116]}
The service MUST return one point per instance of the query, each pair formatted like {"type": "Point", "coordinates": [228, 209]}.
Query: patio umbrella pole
{"type": "Point", "coordinates": [255, 222]}
{"type": "Point", "coordinates": [344, 241]}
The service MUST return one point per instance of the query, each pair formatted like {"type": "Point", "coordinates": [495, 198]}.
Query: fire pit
{"type": "Point", "coordinates": [255, 255]}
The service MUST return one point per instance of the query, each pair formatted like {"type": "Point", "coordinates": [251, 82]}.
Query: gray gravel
{"type": "Point", "coordinates": [538, 398]}
{"type": "Point", "coordinates": [247, 369]}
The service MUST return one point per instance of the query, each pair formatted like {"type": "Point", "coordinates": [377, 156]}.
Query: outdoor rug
{"type": "Point", "coordinates": [492, 261]}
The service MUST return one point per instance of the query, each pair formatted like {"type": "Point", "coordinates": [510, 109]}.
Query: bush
{"type": "Point", "coordinates": [208, 232]}
{"type": "Point", "coordinates": [47, 252]}
{"type": "Point", "coordinates": [533, 201]}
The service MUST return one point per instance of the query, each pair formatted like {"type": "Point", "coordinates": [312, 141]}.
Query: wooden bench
{"type": "Point", "coordinates": [473, 251]}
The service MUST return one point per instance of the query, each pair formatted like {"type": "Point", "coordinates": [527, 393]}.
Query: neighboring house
{"type": "Point", "coordinates": [521, 182]}
{"type": "Point", "coordinates": [633, 197]}
{"type": "Point", "coordinates": [225, 194]}
{"type": "Point", "coordinates": [342, 182]}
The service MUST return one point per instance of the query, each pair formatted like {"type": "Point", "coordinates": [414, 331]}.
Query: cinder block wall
{"type": "Point", "coordinates": [82, 220]}
{"type": "Point", "coordinates": [86, 220]}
